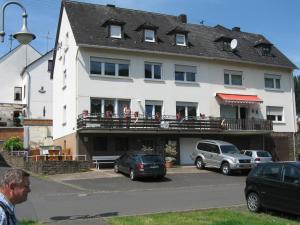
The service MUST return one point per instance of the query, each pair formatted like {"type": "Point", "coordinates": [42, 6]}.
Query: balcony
{"type": "Point", "coordinates": [171, 124]}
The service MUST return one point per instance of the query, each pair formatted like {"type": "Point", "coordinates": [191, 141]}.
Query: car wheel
{"type": "Point", "coordinates": [253, 202]}
{"type": "Point", "coordinates": [225, 168]}
{"type": "Point", "coordinates": [132, 175]}
{"type": "Point", "coordinates": [199, 163]}
{"type": "Point", "coordinates": [116, 168]}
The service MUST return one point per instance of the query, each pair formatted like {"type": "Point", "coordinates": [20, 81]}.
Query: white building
{"type": "Point", "coordinates": [26, 87]}
{"type": "Point", "coordinates": [165, 68]}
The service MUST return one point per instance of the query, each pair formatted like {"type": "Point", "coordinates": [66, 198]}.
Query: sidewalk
{"type": "Point", "coordinates": [109, 173]}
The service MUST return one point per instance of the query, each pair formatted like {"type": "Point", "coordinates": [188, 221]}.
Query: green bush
{"type": "Point", "coordinates": [13, 143]}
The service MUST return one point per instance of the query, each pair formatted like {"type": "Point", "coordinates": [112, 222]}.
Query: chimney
{"type": "Point", "coordinates": [111, 5]}
{"type": "Point", "coordinates": [182, 18]}
{"type": "Point", "coordinates": [237, 29]}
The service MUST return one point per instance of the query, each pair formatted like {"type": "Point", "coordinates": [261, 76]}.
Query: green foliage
{"type": "Point", "coordinates": [170, 152]}
{"type": "Point", "coordinates": [29, 222]}
{"type": "Point", "coordinates": [13, 143]}
{"type": "Point", "coordinates": [297, 92]}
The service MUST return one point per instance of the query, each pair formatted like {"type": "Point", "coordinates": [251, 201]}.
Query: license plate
{"type": "Point", "coordinates": [154, 167]}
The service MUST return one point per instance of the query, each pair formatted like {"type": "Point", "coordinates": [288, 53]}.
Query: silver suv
{"type": "Point", "coordinates": [220, 154]}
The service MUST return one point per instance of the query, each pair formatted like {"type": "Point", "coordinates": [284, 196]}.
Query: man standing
{"type": "Point", "coordinates": [14, 188]}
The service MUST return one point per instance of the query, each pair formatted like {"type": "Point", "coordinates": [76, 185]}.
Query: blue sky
{"type": "Point", "coordinates": [277, 20]}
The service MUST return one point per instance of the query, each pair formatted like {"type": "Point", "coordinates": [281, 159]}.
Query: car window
{"type": "Point", "coordinates": [203, 147]}
{"type": "Point", "coordinates": [291, 175]}
{"type": "Point", "coordinates": [272, 172]}
{"type": "Point", "coordinates": [230, 149]}
{"type": "Point", "coordinates": [214, 149]}
{"type": "Point", "coordinates": [263, 154]}
{"type": "Point", "coordinates": [152, 159]}
{"type": "Point", "coordinates": [248, 154]}
{"type": "Point", "coordinates": [200, 146]}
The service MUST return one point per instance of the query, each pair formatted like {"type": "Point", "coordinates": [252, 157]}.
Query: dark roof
{"type": "Point", "coordinates": [87, 25]}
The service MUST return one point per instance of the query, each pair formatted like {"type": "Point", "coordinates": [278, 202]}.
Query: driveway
{"type": "Point", "coordinates": [65, 199]}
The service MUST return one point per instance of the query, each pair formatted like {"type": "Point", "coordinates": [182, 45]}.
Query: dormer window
{"type": "Point", "coordinates": [181, 39]}
{"type": "Point", "coordinates": [264, 47]}
{"type": "Point", "coordinates": [115, 31]}
{"type": "Point", "coordinates": [226, 46]}
{"type": "Point", "coordinates": [149, 35]}
{"type": "Point", "coordinates": [265, 50]}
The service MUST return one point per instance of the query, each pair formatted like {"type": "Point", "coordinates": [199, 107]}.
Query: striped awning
{"type": "Point", "coordinates": [238, 99]}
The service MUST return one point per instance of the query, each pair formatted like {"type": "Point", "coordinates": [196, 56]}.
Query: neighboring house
{"type": "Point", "coordinates": [38, 101]}
{"type": "Point", "coordinates": [26, 90]}
{"type": "Point", "coordinates": [181, 81]}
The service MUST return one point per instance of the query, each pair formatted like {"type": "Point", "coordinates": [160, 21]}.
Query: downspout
{"type": "Point", "coordinates": [26, 129]}
{"type": "Point", "coordinates": [76, 101]}
{"type": "Point", "coordinates": [294, 114]}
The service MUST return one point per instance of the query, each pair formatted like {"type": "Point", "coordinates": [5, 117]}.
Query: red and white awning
{"type": "Point", "coordinates": [238, 99]}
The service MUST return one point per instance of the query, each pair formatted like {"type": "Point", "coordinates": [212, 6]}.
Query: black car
{"type": "Point", "coordinates": [275, 186]}
{"type": "Point", "coordinates": [140, 164]}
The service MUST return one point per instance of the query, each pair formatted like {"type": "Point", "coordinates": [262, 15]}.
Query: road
{"type": "Point", "coordinates": [52, 201]}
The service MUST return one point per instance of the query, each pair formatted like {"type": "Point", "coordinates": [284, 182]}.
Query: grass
{"type": "Point", "coordinates": [203, 217]}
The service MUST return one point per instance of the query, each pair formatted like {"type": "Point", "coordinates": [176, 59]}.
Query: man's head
{"type": "Point", "coordinates": [15, 185]}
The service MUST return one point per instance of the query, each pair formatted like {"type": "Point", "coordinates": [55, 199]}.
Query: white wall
{"type": "Point", "coordinates": [65, 60]}
{"type": "Point", "coordinates": [11, 67]}
{"type": "Point", "coordinates": [209, 81]}
{"type": "Point", "coordinates": [39, 76]}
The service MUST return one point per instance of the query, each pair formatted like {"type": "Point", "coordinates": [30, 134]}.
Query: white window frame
{"type": "Point", "coordinates": [152, 70]}
{"type": "Point", "coordinates": [18, 90]}
{"type": "Point", "coordinates": [185, 69]}
{"type": "Point", "coordinates": [186, 105]}
{"type": "Point", "coordinates": [149, 35]}
{"type": "Point", "coordinates": [117, 62]}
{"type": "Point", "coordinates": [115, 31]}
{"type": "Point", "coordinates": [277, 111]}
{"type": "Point", "coordinates": [274, 78]}
{"type": "Point", "coordinates": [178, 40]}
{"type": "Point", "coordinates": [233, 73]}
{"type": "Point", "coordinates": [153, 104]}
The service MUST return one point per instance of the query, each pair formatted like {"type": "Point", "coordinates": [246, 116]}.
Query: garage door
{"type": "Point", "coordinates": [187, 145]}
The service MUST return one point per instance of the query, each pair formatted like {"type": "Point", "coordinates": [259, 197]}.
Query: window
{"type": "Point", "coordinates": [65, 79]}
{"type": "Point", "coordinates": [272, 172]}
{"type": "Point", "coordinates": [234, 78]}
{"type": "Point", "coordinates": [96, 105]}
{"type": "Point", "coordinates": [226, 46]}
{"type": "Point", "coordinates": [275, 113]}
{"type": "Point", "coordinates": [291, 175]}
{"type": "Point", "coordinates": [186, 110]}
{"type": "Point", "coordinates": [265, 50]}
{"type": "Point", "coordinates": [115, 31]}
{"type": "Point", "coordinates": [64, 119]}
{"type": "Point", "coordinates": [152, 71]}
{"type": "Point", "coordinates": [102, 106]}
{"type": "Point", "coordinates": [272, 81]}
{"type": "Point", "coordinates": [180, 39]}
{"type": "Point", "coordinates": [18, 94]}
{"type": "Point", "coordinates": [153, 109]}
{"type": "Point", "coordinates": [185, 73]}
{"type": "Point", "coordinates": [50, 65]}
{"type": "Point", "coordinates": [24, 88]}
{"type": "Point", "coordinates": [109, 67]}
{"type": "Point", "coordinates": [149, 35]}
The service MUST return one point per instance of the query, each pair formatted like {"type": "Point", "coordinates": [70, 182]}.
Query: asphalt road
{"type": "Point", "coordinates": [52, 201]}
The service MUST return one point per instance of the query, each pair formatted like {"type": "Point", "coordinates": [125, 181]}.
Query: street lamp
{"type": "Point", "coordinates": [23, 36]}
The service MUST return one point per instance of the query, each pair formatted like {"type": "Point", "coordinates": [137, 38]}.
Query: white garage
{"type": "Point", "coordinates": [187, 145]}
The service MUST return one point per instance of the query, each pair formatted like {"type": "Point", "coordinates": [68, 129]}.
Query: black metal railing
{"type": "Point", "coordinates": [169, 123]}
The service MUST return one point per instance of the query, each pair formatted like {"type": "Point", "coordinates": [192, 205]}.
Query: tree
{"type": "Point", "coordinates": [297, 92]}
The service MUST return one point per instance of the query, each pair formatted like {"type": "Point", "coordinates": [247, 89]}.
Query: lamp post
{"type": "Point", "coordinates": [23, 36]}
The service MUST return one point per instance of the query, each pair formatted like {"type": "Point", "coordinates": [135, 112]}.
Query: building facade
{"type": "Point", "coordinates": [181, 81]}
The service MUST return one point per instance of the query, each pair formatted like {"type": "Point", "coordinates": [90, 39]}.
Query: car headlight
{"type": "Point", "coordinates": [235, 160]}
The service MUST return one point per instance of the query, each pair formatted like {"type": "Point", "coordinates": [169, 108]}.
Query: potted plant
{"type": "Point", "coordinates": [170, 154]}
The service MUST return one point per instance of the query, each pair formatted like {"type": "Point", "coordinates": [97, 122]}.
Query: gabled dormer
{"type": "Point", "coordinates": [224, 42]}
{"type": "Point", "coordinates": [264, 47]}
{"type": "Point", "coordinates": [180, 36]}
{"type": "Point", "coordinates": [114, 27]}
{"type": "Point", "coordinates": [149, 32]}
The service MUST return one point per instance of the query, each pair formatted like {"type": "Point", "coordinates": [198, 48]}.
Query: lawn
{"type": "Point", "coordinates": [29, 222]}
{"type": "Point", "coordinates": [203, 217]}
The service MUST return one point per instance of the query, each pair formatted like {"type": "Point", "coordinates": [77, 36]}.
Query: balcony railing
{"type": "Point", "coordinates": [141, 122]}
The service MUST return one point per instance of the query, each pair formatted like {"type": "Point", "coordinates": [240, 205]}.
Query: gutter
{"type": "Point", "coordinates": [186, 55]}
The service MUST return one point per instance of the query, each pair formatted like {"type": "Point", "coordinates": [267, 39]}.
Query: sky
{"type": "Point", "coordinates": [277, 20]}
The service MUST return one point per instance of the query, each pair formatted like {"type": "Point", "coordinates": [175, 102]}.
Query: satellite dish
{"type": "Point", "coordinates": [233, 44]}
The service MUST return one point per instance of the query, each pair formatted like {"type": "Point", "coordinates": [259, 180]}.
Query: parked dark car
{"type": "Point", "coordinates": [140, 164]}
{"type": "Point", "coordinates": [275, 186]}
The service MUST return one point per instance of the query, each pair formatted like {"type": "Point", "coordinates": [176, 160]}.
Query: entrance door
{"type": "Point", "coordinates": [243, 113]}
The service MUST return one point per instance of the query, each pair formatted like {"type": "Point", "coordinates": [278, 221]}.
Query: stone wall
{"type": "Point", "coordinates": [45, 167]}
